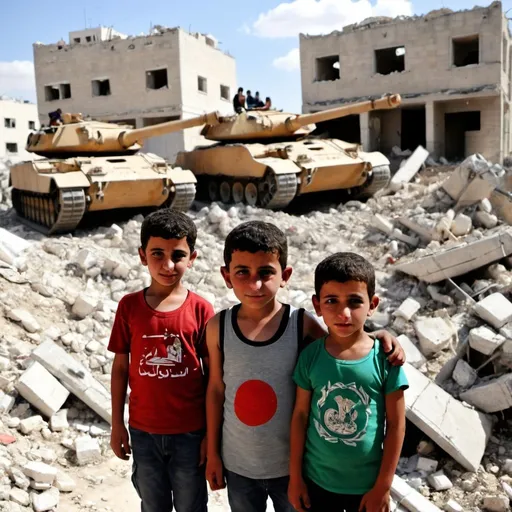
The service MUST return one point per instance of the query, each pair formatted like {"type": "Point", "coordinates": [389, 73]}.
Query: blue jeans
{"type": "Point", "coordinates": [166, 471]}
{"type": "Point", "coordinates": [249, 495]}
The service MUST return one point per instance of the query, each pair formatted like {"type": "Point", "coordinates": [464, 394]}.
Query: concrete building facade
{"type": "Point", "coordinates": [453, 70]}
{"type": "Point", "coordinates": [17, 119]}
{"type": "Point", "coordinates": [171, 74]}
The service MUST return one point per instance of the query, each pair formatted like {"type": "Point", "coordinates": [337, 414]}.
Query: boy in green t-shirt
{"type": "Point", "coordinates": [348, 423]}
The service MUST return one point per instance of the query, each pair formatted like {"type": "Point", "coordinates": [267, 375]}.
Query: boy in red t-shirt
{"type": "Point", "coordinates": [158, 341]}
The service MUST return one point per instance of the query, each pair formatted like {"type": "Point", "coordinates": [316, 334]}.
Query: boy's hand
{"type": "Point", "coordinates": [202, 452]}
{"type": "Point", "coordinates": [120, 442]}
{"type": "Point", "coordinates": [215, 473]}
{"type": "Point", "coordinates": [298, 494]}
{"type": "Point", "coordinates": [375, 500]}
{"type": "Point", "coordinates": [391, 347]}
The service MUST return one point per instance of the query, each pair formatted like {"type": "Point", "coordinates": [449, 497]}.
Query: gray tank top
{"type": "Point", "coordinates": [259, 396]}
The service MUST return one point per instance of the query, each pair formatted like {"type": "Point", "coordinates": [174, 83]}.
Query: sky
{"type": "Point", "coordinates": [262, 35]}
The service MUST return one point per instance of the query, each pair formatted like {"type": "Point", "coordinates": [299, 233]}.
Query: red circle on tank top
{"type": "Point", "coordinates": [255, 403]}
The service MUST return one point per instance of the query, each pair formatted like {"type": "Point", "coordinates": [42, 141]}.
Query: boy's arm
{"type": "Point", "coordinates": [395, 432]}
{"type": "Point", "coordinates": [119, 439]}
{"type": "Point", "coordinates": [214, 405]}
{"type": "Point", "coordinates": [297, 490]}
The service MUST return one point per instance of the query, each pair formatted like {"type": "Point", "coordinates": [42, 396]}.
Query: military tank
{"type": "Point", "coordinates": [267, 158]}
{"type": "Point", "coordinates": [93, 166]}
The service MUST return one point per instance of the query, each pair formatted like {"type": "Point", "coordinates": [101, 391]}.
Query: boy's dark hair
{"type": "Point", "coordinates": [168, 223]}
{"type": "Point", "coordinates": [342, 267]}
{"type": "Point", "coordinates": [254, 236]}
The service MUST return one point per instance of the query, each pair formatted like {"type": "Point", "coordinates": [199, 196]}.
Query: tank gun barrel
{"type": "Point", "coordinates": [130, 137]}
{"type": "Point", "coordinates": [390, 101]}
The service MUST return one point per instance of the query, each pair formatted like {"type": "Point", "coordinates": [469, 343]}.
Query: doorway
{"type": "Point", "coordinates": [413, 131]}
{"type": "Point", "coordinates": [455, 127]}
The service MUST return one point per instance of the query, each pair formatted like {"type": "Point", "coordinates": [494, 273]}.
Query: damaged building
{"type": "Point", "coordinates": [168, 75]}
{"type": "Point", "coordinates": [453, 70]}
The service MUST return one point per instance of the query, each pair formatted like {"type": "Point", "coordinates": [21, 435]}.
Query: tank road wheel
{"type": "Point", "coordinates": [251, 194]}
{"type": "Point", "coordinates": [238, 192]}
{"type": "Point", "coordinates": [277, 190]}
{"type": "Point", "coordinates": [181, 197]}
{"type": "Point", "coordinates": [378, 180]}
{"type": "Point", "coordinates": [225, 192]}
{"type": "Point", "coordinates": [213, 190]}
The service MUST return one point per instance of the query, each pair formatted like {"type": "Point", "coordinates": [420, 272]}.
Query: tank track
{"type": "Point", "coordinates": [183, 197]}
{"type": "Point", "coordinates": [277, 190]}
{"type": "Point", "coordinates": [59, 211]}
{"type": "Point", "coordinates": [379, 179]}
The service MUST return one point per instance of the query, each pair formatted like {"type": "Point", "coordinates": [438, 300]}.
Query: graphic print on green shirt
{"type": "Point", "coordinates": [343, 450]}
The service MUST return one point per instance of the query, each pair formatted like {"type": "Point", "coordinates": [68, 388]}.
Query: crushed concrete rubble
{"type": "Point", "coordinates": [444, 277]}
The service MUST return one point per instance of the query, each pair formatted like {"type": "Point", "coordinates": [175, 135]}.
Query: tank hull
{"type": "Point", "coordinates": [54, 195]}
{"type": "Point", "coordinates": [272, 175]}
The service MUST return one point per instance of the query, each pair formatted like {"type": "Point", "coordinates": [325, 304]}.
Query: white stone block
{"type": "Point", "coordinates": [484, 340]}
{"type": "Point", "coordinates": [496, 503]}
{"type": "Point", "coordinates": [461, 225]}
{"type": "Point", "coordinates": [64, 482]}
{"type": "Point", "coordinates": [87, 450]}
{"type": "Point", "coordinates": [121, 271]}
{"type": "Point", "coordinates": [407, 172]}
{"type": "Point", "coordinates": [382, 224]}
{"type": "Point", "coordinates": [453, 506]}
{"type": "Point", "coordinates": [485, 205]}
{"type": "Point", "coordinates": [75, 377]}
{"type": "Point", "coordinates": [42, 390]}
{"type": "Point", "coordinates": [487, 220]}
{"type": "Point", "coordinates": [6, 403]}
{"type": "Point", "coordinates": [28, 322]}
{"type": "Point", "coordinates": [426, 464]}
{"type": "Point", "coordinates": [460, 431]}
{"type": "Point", "coordinates": [30, 424]}
{"type": "Point", "coordinates": [86, 259]}
{"type": "Point", "coordinates": [495, 309]}
{"type": "Point", "coordinates": [39, 486]}
{"type": "Point", "coordinates": [47, 500]}
{"type": "Point", "coordinates": [412, 353]}
{"type": "Point", "coordinates": [40, 472]}
{"type": "Point", "coordinates": [408, 308]}
{"type": "Point", "coordinates": [439, 481]}
{"type": "Point", "coordinates": [434, 334]}
{"type": "Point", "coordinates": [492, 396]}
{"type": "Point", "coordinates": [84, 305]}
{"type": "Point", "coordinates": [19, 496]}
{"type": "Point", "coordinates": [11, 246]}
{"type": "Point", "coordinates": [464, 375]}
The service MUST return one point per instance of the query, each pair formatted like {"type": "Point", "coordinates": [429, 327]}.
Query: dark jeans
{"type": "Point", "coordinates": [249, 495]}
{"type": "Point", "coordinates": [166, 471]}
{"type": "Point", "coordinates": [327, 501]}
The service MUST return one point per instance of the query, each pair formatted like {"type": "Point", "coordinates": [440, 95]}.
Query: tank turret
{"type": "Point", "coordinates": [271, 124]}
{"type": "Point", "coordinates": [76, 137]}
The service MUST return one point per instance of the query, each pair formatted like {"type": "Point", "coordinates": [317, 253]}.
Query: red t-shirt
{"type": "Point", "coordinates": [166, 379]}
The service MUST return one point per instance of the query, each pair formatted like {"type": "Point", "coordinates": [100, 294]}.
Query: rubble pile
{"type": "Point", "coordinates": [443, 275]}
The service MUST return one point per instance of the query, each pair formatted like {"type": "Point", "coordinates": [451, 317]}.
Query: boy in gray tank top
{"type": "Point", "coordinates": [253, 348]}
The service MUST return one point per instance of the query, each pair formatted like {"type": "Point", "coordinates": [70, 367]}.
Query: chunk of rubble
{"type": "Point", "coordinates": [407, 309]}
{"type": "Point", "coordinates": [496, 503]}
{"type": "Point", "coordinates": [40, 472]}
{"type": "Point", "coordinates": [42, 390]}
{"type": "Point", "coordinates": [464, 375]}
{"type": "Point", "coordinates": [407, 172]}
{"type": "Point", "coordinates": [84, 305]}
{"type": "Point", "coordinates": [87, 450]}
{"type": "Point", "coordinates": [454, 260]}
{"type": "Point", "coordinates": [487, 220]}
{"type": "Point", "coordinates": [495, 309]}
{"type": "Point", "coordinates": [484, 340]}
{"type": "Point", "coordinates": [64, 482]}
{"type": "Point", "coordinates": [30, 424]}
{"type": "Point", "coordinates": [434, 334]}
{"type": "Point", "coordinates": [412, 353]}
{"type": "Point", "coordinates": [47, 500]}
{"type": "Point", "coordinates": [11, 246]}
{"type": "Point", "coordinates": [453, 506]}
{"type": "Point", "coordinates": [439, 481]}
{"type": "Point", "coordinates": [26, 319]}
{"type": "Point", "coordinates": [410, 498]}
{"type": "Point", "coordinates": [461, 225]}
{"type": "Point", "coordinates": [75, 377]}
{"type": "Point", "coordinates": [59, 421]}
{"type": "Point", "coordinates": [460, 431]}
{"type": "Point", "coordinates": [492, 396]}
{"type": "Point", "coordinates": [20, 497]}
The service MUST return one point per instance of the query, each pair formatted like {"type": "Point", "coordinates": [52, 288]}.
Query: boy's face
{"type": "Point", "coordinates": [344, 307]}
{"type": "Point", "coordinates": [167, 260]}
{"type": "Point", "coordinates": [255, 277]}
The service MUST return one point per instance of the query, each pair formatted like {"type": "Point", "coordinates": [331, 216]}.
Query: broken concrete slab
{"type": "Point", "coordinates": [87, 450]}
{"type": "Point", "coordinates": [460, 431]}
{"type": "Point", "coordinates": [42, 390]}
{"type": "Point", "coordinates": [464, 375]}
{"type": "Point", "coordinates": [412, 353]}
{"type": "Point", "coordinates": [40, 472]}
{"type": "Point", "coordinates": [407, 172]}
{"type": "Point", "coordinates": [75, 377]}
{"type": "Point", "coordinates": [495, 309]}
{"type": "Point", "coordinates": [11, 246]}
{"type": "Point", "coordinates": [485, 340]}
{"type": "Point", "coordinates": [434, 334]}
{"type": "Point", "coordinates": [410, 498]}
{"type": "Point", "coordinates": [47, 500]}
{"type": "Point", "coordinates": [454, 259]}
{"type": "Point", "coordinates": [492, 396]}
{"type": "Point", "coordinates": [26, 319]}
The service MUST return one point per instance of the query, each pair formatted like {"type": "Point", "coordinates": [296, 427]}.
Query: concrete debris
{"type": "Point", "coordinates": [412, 353]}
{"type": "Point", "coordinates": [410, 498]}
{"type": "Point", "coordinates": [434, 334]}
{"type": "Point", "coordinates": [495, 309]}
{"type": "Point", "coordinates": [496, 503]}
{"type": "Point", "coordinates": [408, 309]}
{"type": "Point", "coordinates": [41, 389]}
{"type": "Point", "coordinates": [87, 450]}
{"type": "Point", "coordinates": [11, 247]}
{"type": "Point", "coordinates": [464, 375]}
{"type": "Point", "coordinates": [453, 506]}
{"type": "Point", "coordinates": [47, 500]}
{"type": "Point", "coordinates": [458, 430]}
{"type": "Point", "coordinates": [439, 481]}
{"type": "Point", "coordinates": [407, 172]}
{"type": "Point", "coordinates": [25, 318]}
{"type": "Point", "coordinates": [492, 396]}
{"type": "Point", "coordinates": [484, 340]}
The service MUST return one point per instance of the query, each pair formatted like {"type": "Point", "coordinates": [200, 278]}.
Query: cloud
{"type": "Point", "coordinates": [288, 62]}
{"type": "Point", "coordinates": [17, 79]}
{"type": "Point", "coordinates": [322, 16]}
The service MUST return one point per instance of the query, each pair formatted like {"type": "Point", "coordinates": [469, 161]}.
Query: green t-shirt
{"type": "Point", "coordinates": [345, 433]}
